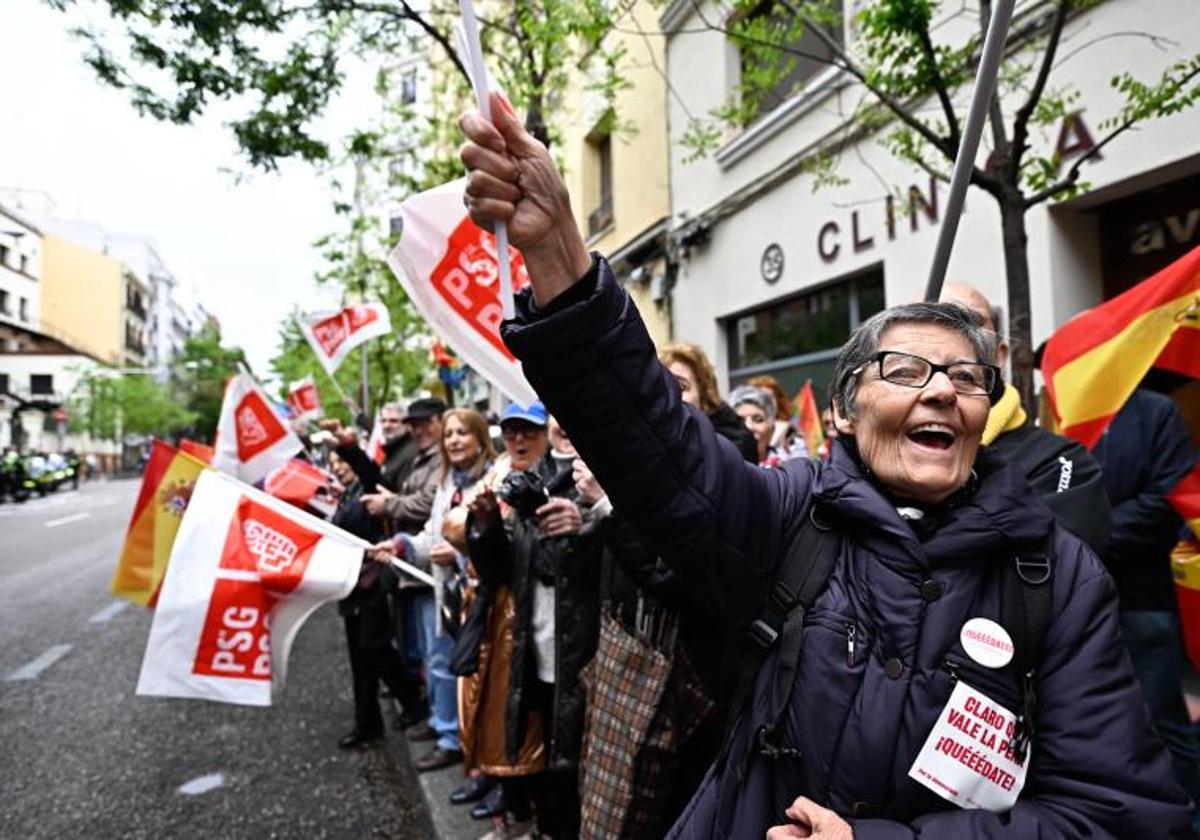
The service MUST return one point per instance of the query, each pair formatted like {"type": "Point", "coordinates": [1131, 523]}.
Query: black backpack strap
{"type": "Point", "coordinates": [1027, 611]}
{"type": "Point", "coordinates": [801, 578]}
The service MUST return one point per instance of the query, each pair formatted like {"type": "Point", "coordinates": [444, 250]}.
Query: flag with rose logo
{"type": "Point", "coordinates": [448, 267]}
{"type": "Point", "coordinates": [245, 571]}
{"type": "Point", "coordinates": [332, 335]}
{"type": "Point", "coordinates": [252, 439]}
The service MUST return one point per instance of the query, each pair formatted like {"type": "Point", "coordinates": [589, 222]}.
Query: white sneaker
{"type": "Point", "coordinates": [510, 829]}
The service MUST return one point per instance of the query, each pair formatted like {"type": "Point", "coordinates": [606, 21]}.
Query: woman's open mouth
{"type": "Point", "coordinates": [937, 436]}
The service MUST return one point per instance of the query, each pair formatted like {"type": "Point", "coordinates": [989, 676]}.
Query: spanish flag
{"type": "Point", "coordinates": [1185, 498]}
{"type": "Point", "coordinates": [808, 420]}
{"type": "Point", "coordinates": [1096, 360]}
{"type": "Point", "coordinates": [166, 488]}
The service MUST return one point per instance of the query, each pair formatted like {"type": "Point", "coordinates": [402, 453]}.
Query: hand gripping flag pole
{"type": "Point", "coordinates": [479, 81]}
{"type": "Point", "coordinates": [985, 86]}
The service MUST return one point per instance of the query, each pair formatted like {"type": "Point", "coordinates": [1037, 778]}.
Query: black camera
{"type": "Point", "coordinates": [524, 492]}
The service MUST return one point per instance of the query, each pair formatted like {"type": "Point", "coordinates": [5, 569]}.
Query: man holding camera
{"type": "Point", "coordinates": [531, 540]}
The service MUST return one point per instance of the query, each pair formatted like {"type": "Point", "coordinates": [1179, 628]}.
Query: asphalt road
{"type": "Point", "coordinates": [82, 756]}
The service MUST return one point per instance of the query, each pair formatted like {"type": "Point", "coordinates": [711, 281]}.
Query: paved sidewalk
{"type": "Point", "coordinates": [450, 822]}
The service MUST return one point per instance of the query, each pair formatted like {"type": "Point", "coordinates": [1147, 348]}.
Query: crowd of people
{"type": "Point", "coordinates": [653, 612]}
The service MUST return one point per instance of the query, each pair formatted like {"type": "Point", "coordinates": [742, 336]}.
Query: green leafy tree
{"type": "Point", "coordinates": [282, 62]}
{"type": "Point", "coordinates": [199, 375]}
{"type": "Point", "coordinates": [910, 82]}
{"type": "Point", "coordinates": [109, 406]}
{"type": "Point", "coordinates": [397, 363]}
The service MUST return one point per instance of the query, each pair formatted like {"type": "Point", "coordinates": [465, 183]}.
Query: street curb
{"type": "Point", "coordinates": [450, 822]}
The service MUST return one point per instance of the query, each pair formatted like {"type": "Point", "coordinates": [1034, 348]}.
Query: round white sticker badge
{"type": "Point", "coordinates": [986, 642]}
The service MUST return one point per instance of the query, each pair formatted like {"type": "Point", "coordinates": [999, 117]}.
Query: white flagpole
{"type": "Point", "coordinates": [480, 83]}
{"type": "Point", "coordinates": [985, 86]}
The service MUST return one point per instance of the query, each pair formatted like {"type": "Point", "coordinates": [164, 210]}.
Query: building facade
{"type": "Point", "coordinates": [774, 273]}
{"type": "Point", "coordinates": [20, 271]}
{"type": "Point", "coordinates": [614, 157]}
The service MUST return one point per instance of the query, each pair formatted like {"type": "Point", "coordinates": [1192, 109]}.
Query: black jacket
{"type": "Point", "coordinates": [1067, 478]}
{"type": "Point", "coordinates": [733, 428]}
{"type": "Point", "coordinates": [368, 599]}
{"type": "Point", "coordinates": [857, 716]}
{"type": "Point", "coordinates": [505, 553]}
{"type": "Point", "coordinates": [1144, 454]}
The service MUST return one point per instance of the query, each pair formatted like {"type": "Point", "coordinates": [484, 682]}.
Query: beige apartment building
{"type": "Point", "coordinates": [617, 169]}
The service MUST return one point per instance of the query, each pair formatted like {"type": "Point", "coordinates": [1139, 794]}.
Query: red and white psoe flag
{"type": "Point", "coordinates": [304, 400]}
{"type": "Point", "coordinates": [245, 572]}
{"type": "Point", "coordinates": [332, 335]}
{"type": "Point", "coordinates": [449, 269]}
{"type": "Point", "coordinates": [375, 442]}
{"type": "Point", "coordinates": [302, 484]}
{"type": "Point", "coordinates": [251, 439]}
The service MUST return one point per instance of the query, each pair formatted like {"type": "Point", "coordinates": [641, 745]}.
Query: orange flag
{"type": "Point", "coordinates": [808, 420]}
{"type": "Point", "coordinates": [1185, 498]}
{"type": "Point", "coordinates": [166, 488]}
{"type": "Point", "coordinates": [1096, 360]}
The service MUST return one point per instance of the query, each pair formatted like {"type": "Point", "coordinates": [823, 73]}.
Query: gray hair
{"type": "Point", "coordinates": [397, 407]}
{"type": "Point", "coordinates": [760, 398]}
{"type": "Point", "coordinates": [864, 342]}
{"type": "Point", "coordinates": [996, 312]}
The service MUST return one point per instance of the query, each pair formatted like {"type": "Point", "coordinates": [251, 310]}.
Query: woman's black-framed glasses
{"type": "Point", "coordinates": [971, 379]}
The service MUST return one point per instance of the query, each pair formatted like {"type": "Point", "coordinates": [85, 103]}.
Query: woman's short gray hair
{"type": "Point", "coordinates": [864, 342]}
{"type": "Point", "coordinates": [758, 397]}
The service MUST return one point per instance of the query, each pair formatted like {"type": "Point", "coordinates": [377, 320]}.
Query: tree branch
{"type": "Point", "coordinates": [1072, 175]}
{"type": "Point", "coordinates": [938, 82]}
{"type": "Point", "coordinates": [1020, 143]}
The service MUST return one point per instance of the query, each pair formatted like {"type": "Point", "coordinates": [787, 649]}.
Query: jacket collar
{"type": "Point", "coordinates": [1003, 514]}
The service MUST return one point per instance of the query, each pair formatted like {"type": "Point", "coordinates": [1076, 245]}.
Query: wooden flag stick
{"type": "Point", "coordinates": [985, 86]}
{"type": "Point", "coordinates": [479, 81]}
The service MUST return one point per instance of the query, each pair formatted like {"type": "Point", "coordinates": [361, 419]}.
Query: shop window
{"type": "Point", "coordinates": [41, 383]}
{"type": "Point", "coordinates": [3, 383]}
{"type": "Point", "coordinates": [805, 57]}
{"type": "Point", "coordinates": [798, 338]}
{"type": "Point", "coordinates": [23, 309]}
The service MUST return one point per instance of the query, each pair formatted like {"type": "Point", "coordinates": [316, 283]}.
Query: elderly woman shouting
{"type": "Point", "coordinates": [948, 665]}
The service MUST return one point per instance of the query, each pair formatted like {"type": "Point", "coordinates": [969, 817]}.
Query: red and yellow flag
{"type": "Point", "coordinates": [1096, 360]}
{"type": "Point", "coordinates": [808, 420]}
{"type": "Point", "coordinates": [1185, 498]}
{"type": "Point", "coordinates": [166, 488]}
{"type": "Point", "coordinates": [197, 450]}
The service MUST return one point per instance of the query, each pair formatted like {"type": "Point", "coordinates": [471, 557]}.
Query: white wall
{"type": "Point", "coordinates": [24, 244]}
{"type": "Point", "coordinates": [723, 277]}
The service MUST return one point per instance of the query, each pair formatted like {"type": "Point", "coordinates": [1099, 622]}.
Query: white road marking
{"type": "Point", "coordinates": [202, 784]}
{"type": "Point", "coordinates": [108, 612]}
{"type": "Point", "coordinates": [65, 520]}
{"type": "Point", "coordinates": [32, 670]}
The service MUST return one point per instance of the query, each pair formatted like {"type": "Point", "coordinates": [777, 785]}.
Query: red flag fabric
{"type": "Point", "coordinates": [808, 420]}
{"type": "Point", "coordinates": [375, 442]}
{"type": "Point", "coordinates": [449, 270]}
{"type": "Point", "coordinates": [332, 335]}
{"type": "Point", "coordinates": [197, 450]}
{"type": "Point", "coordinates": [303, 399]}
{"type": "Point", "coordinates": [301, 484]}
{"type": "Point", "coordinates": [244, 573]}
{"type": "Point", "coordinates": [251, 438]}
{"type": "Point", "coordinates": [1096, 360]}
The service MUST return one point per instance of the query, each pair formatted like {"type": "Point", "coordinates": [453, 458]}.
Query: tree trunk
{"type": "Point", "coordinates": [1016, 270]}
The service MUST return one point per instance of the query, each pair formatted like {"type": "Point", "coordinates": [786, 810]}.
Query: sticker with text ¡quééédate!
{"type": "Point", "coordinates": [966, 759]}
{"type": "Point", "coordinates": [986, 642]}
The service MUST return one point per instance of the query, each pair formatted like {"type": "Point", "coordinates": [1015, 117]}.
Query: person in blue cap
{"type": "Point", "coordinates": [533, 542]}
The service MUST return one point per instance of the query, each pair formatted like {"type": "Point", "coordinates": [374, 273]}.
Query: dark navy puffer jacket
{"type": "Point", "coordinates": [1096, 770]}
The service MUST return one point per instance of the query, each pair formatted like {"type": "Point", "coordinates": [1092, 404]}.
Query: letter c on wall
{"type": "Point", "coordinates": [828, 251]}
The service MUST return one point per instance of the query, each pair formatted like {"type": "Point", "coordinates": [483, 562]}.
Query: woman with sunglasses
{"type": "Point", "coordinates": [904, 692]}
